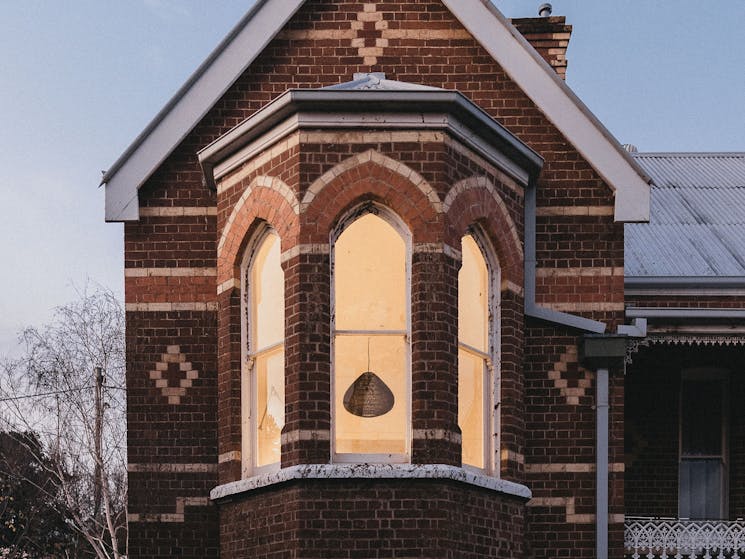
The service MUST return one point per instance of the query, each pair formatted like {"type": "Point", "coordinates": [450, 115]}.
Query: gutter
{"type": "Point", "coordinates": [685, 312]}
{"type": "Point", "coordinates": [687, 285]}
{"type": "Point", "coordinates": [692, 282]}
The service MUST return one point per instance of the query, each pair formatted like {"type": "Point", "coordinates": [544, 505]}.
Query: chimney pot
{"type": "Point", "coordinates": [544, 10]}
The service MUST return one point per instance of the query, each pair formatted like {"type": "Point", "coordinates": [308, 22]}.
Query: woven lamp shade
{"type": "Point", "coordinates": [368, 396]}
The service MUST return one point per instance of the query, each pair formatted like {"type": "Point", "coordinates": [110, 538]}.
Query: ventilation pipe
{"type": "Point", "coordinates": [544, 10]}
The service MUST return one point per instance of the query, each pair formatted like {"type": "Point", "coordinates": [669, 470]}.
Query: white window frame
{"type": "Point", "coordinates": [249, 389]}
{"type": "Point", "coordinates": [492, 375]}
{"type": "Point", "coordinates": [722, 376]}
{"type": "Point", "coordinates": [392, 219]}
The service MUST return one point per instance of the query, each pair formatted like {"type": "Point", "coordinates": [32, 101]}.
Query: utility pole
{"type": "Point", "coordinates": [97, 436]}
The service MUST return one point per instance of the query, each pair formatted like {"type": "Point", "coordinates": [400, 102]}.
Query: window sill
{"type": "Point", "coordinates": [371, 471]}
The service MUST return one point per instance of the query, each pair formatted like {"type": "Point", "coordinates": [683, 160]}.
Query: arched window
{"type": "Point", "coordinates": [476, 330]}
{"type": "Point", "coordinates": [371, 356]}
{"type": "Point", "coordinates": [263, 379]}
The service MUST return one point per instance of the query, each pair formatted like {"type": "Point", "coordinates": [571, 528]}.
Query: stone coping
{"type": "Point", "coordinates": [372, 471]}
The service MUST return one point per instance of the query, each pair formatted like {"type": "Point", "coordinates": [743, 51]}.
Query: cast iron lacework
{"type": "Point", "coordinates": [634, 345]}
{"type": "Point", "coordinates": [684, 539]}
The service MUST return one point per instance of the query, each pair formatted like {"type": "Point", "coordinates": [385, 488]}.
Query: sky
{"type": "Point", "coordinates": [80, 79]}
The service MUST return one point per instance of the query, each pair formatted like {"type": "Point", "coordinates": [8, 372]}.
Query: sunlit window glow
{"type": "Point", "coordinates": [473, 352]}
{"type": "Point", "coordinates": [370, 296]}
{"type": "Point", "coordinates": [264, 385]}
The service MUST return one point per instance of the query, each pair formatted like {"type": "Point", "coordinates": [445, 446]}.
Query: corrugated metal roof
{"type": "Point", "coordinates": [697, 220]}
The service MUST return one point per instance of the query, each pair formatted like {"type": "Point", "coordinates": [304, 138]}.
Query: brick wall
{"type": "Point", "coordinates": [411, 518]}
{"type": "Point", "coordinates": [174, 247]}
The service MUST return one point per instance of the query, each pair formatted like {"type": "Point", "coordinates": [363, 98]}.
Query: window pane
{"type": "Point", "coordinates": [267, 286]}
{"type": "Point", "coordinates": [370, 276]}
{"type": "Point", "coordinates": [385, 434]}
{"type": "Point", "coordinates": [701, 417]}
{"type": "Point", "coordinates": [473, 330]}
{"type": "Point", "coordinates": [471, 407]}
{"type": "Point", "coordinates": [473, 297]}
{"type": "Point", "coordinates": [701, 489]}
{"type": "Point", "coordinates": [270, 392]}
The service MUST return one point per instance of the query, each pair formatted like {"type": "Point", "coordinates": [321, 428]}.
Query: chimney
{"type": "Point", "coordinates": [549, 35]}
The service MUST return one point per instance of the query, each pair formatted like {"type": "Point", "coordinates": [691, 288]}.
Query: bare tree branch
{"type": "Point", "coordinates": [51, 391]}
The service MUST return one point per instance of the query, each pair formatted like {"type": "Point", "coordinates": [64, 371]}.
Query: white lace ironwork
{"type": "Point", "coordinates": [668, 538]}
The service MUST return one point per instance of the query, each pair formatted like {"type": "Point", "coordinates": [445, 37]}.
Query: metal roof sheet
{"type": "Point", "coordinates": [378, 81]}
{"type": "Point", "coordinates": [697, 217]}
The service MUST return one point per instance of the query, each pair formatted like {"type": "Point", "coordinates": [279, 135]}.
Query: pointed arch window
{"type": "Point", "coordinates": [371, 333]}
{"type": "Point", "coordinates": [477, 389]}
{"type": "Point", "coordinates": [263, 377]}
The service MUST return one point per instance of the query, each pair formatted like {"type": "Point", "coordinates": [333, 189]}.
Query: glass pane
{"type": "Point", "coordinates": [267, 287]}
{"type": "Point", "coordinates": [370, 276]}
{"type": "Point", "coordinates": [701, 489]}
{"type": "Point", "coordinates": [701, 417]}
{"type": "Point", "coordinates": [386, 433]}
{"type": "Point", "coordinates": [473, 297]}
{"type": "Point", "coordinates": [270, 396]}
{"type": "Point", "coordinates": [471, 407]}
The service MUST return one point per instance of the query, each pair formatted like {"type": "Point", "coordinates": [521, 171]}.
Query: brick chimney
{"type": "Point", "coordinates": [549, 36]}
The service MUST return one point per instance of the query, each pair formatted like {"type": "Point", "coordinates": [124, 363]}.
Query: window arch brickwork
{"type": "Point", "coordinates": [258, 202]}
{"type": "Point", "coordinates": [481, 202]}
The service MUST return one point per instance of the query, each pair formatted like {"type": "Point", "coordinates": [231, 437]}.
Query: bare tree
{"type": "Point", "coordinates": [68, 389]}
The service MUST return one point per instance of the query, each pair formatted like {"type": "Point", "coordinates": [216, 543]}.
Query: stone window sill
{"type": "Point", "coordinates": [371, 471]}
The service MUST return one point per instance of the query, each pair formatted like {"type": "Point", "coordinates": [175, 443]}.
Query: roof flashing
{"type": "Point", "coordinates": [404, 108]}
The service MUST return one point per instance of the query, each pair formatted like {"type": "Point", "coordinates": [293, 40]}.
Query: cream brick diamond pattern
{"type": "Point", "coordinates": [169, 360]}
{"type": "Point", "coordinates": [580, 386]}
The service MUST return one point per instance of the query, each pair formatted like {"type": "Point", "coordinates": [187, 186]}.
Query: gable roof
{"type": "Point", "coordinates": [487, 25]}
{"type": "Point", "coordinates": [697, 218]}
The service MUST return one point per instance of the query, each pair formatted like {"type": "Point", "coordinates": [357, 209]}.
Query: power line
{"type": "Point", "coordinates": [41, 394]}
{"type": "Point", "coordinates": [56, 392]}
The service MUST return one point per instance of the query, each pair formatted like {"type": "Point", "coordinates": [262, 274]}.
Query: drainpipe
{"type": "Point", "coordinates": [601, 469]}
{"type": "Point", "coordinates": [601, 352]}
{"type": "Point", "coordinates": [532, 309]}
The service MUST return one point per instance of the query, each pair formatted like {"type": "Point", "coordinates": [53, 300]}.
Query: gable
{"type": "Point", "coordinates": [479, 18]}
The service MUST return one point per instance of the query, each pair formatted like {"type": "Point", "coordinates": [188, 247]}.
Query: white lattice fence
{"type": "Point", "coordinates": [653, 538]}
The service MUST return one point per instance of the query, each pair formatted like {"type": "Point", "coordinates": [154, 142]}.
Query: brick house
{"type": "Point", "coordinates": [374, 274]}
{"type": "Point", "coordinates": [685, 274]}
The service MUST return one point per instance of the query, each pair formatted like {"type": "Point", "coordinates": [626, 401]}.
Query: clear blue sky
{"type": "Point", "coordinates": [81, 78]}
